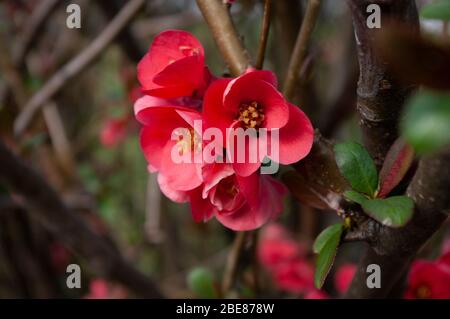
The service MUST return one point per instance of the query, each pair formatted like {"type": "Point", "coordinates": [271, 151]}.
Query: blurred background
{"type": "Point", "coordinates": [84, 142]}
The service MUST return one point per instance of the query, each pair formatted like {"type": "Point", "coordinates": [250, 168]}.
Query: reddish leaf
{"type": "Point", "coordinates": [414, 59]}
{"type": "Point", "coordinates": [398, 161]}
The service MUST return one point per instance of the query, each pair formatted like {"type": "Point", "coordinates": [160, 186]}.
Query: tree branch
{"type": "Point", "coordinates": [77, 64]}
{"type": "Point", "coordinates": [225, 34]}
{"type": "Point", "coordinates": [301, 47]}
{"type": "Point", "coordinates": [380, 100]}
{"type": "Point", "coordinates": [103, 256]}
{"type": "Point", "coordinates": [380, 97]}
{"type": "Point", "coordinates": [265, 27]}
{"type": "Point", "coordinates": [394, 248]}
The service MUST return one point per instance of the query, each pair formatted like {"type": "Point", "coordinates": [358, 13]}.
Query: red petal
{"type": "Point", "coordinates": [270, 206]}
{"type": "Point", "coordinates": [180, 176]}
{"type": "Point", "coordinates": [168, 48]}
{"type": "Point", "coordinates": [214, 113]}
{"type": "Point", "coordinates": [172, 194]}
{"type": "Point", "coordinates": [276, 110]}
{"type": "Point", "coordinates": [202, 209]}
{"type": "Point", "coordinates": [296, 138]}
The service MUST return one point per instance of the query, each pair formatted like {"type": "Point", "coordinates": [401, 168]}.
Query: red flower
{"type": "Point", "coordinates": [295, 276]}
{"type": "Point", "coordinates": [444, 260]}
{"type": "Point", "coordinates": [276, 247]}
{"type": "Point", "coordinates": [316, 294]}
{"type": "Point", "coordinates": [174, 66]}
{"type": "Point", "coordinates": [429, 280]}
{"type": "Point", "coordinates": [162, 119]}
{"type": "Point", "coordinates": [252, 101]}
{"type": "Point", "coordinates": [239, 203]}
{"type": "Point", "coordinates": [102, 289]}
{"type": "Point", "coordinates": [113, 132]}
{"type": "Point", "coordinates": [343, 277]}
{"type": "Point", "coordinates": [98, 289]}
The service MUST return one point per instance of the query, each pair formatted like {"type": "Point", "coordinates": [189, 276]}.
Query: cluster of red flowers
{"type": "Point", "coordinates": [287, 262]}
{"type": "Point", "coordinates": [179, 90]}
{"type": "Point", "coordinates": [430, 279]}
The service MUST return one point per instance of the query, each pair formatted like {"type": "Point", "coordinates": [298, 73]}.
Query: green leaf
{"type": "Point", "coordinates": [326, 245]}
{"type": "Point", "coordinates": [325, 236]}
{"type": "Point", "coordinates": [355, 197]}
{"type": "Point", "coordinates": [393, 211]}
{"type": "Point", "coordinates": [426, 122]}
{"type": "Point", "coordinates": [201, 282]}
{"type": "Point", "coordinates": [357, 166]}
{"type": "Point", "coordinates": [439, 10]}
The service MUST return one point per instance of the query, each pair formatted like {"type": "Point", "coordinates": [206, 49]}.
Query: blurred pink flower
{"type": "Point", "coordinates": [343, 277]}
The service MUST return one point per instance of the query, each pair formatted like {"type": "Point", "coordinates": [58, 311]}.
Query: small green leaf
{"type": "Point", "coordinates": [201, 282]}
{"type": "Point", "coordinates": [427, 120]}
{"type": "Point", "coordinates": [357, 166]}
{"type": "Point", "coordinates": [355, 197]}
{"type": "Point", "coordinates": [439, 10]}
{"type": "Point", "coordinates": [393, 211]}
{"type": "Point", "coordinates": [326, 245]}
{"type": "Point", "coordinates": [325, 235]}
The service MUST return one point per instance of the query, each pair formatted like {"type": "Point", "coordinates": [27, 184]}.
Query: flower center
{"type": "Point", "coordinates": [228, 186]}
{"type": "Point", "coordinates": [251, 115]}
{"type": "Point", "coordinates": [188, 140]}
{"type": "Point", "coordinates": [423, 292]}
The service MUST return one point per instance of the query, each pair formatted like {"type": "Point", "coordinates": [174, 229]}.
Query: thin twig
{"type": "Point", "coordinates": [153, 203]}
{"type": "Point", "coordinates": [264, 34]}
{"type": "Point", "coordinates": [255, 261]}
{"type": "Point", "coordinates": [225, 35]}
{"type": "Point", "coordinates": [77, 64]}
{"type": "Point", "coordinates": [32, 29]}
{"type": "Point", "coordinates": [233, 258]}
{"type": "Point", "coordinates": [445, 30]}
{"type": "Point", "coordinates": [301, 46]}
{"type": "Point", "coordinates": [15, 81]}
{"type": "Point", "coordinates": [58, 136]}
{"type": "Point", "coordinates": [50, 210]}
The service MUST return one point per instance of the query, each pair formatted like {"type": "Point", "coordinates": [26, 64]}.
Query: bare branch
{"type": "Point", "coordinates": [224, 33]}
{"type": "Point", "coordinates": [301, 46]}
{"type": "Point", "coordinates": [233, 259]}
{"type": "Point", "coordinates": [264, 34]}
{"type": "Point", "coordinates": [77, 64]}
{"type": "Point", "coordinates": [380, 97]}
{"type": "Point", "coordinates": [32, 30]}
{"type": "Point", "coordinates": [100, 252]}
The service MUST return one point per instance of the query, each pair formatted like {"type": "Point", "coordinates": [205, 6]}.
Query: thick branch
{"type": "Point", "coordinates": [380, 97]}
{"type": "Point", "coordinates": [394, 248]}
{"type": "Point", "coordinates": [103, 255]}
{"type": "Point", "coordinates": [380, 100]}
{"type": "Point", "coordinates": [225, 34]}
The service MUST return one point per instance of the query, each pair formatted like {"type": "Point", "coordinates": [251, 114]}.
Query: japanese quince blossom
{"type": "Point", "coordinates": [180, 93]}
{"type": "Point", "coordinates": [285, 260]}
{"type": "Point", "coordinates": [174, 66]}
{"type": "Point", "coordinates": [252, 101]}
{"type": "Point", "coordinates": [343, 277]}
{"type": "Point", "coordinates": [429, 279]}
